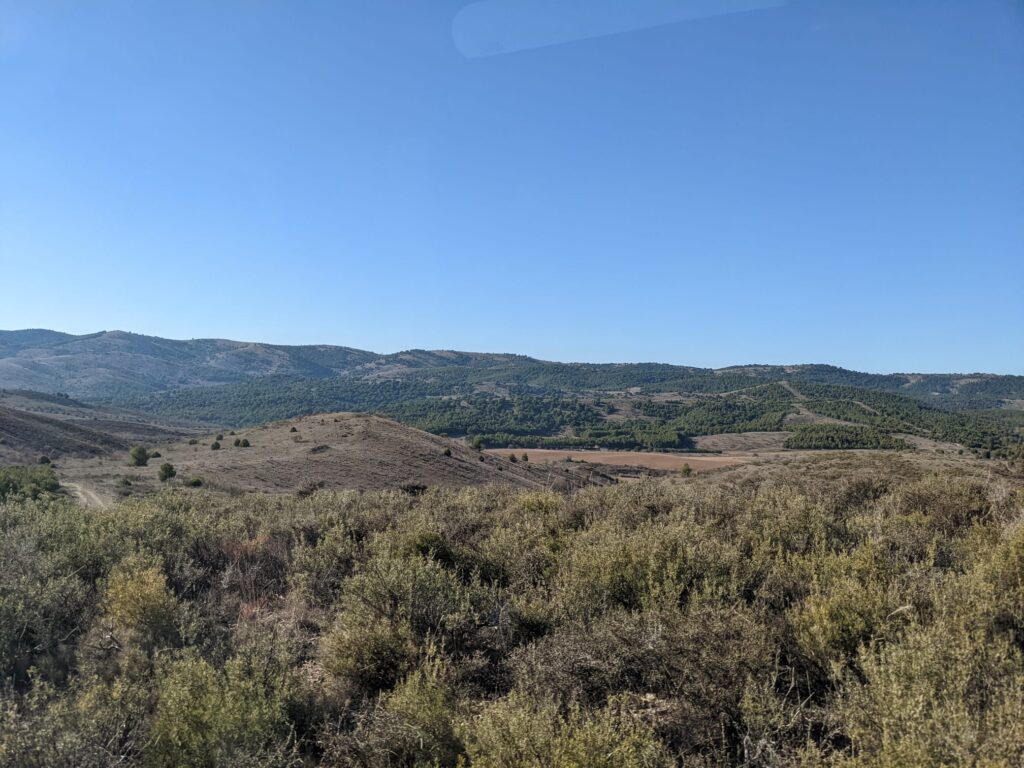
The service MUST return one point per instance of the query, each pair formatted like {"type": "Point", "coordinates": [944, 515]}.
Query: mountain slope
{"type": "Point", "coordinates": [114, 364]}
{"type": "Point", "coordinates": [512, 400]}
{"type": "Point", "coordinates": [107, 363]}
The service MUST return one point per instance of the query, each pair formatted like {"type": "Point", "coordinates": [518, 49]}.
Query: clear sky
{"type": "Point", "coordinates": [707, 182]}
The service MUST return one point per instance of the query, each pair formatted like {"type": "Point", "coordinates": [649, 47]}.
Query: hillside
{"type": "Point", "coordinates": [329, 451]}
{"type": "Point", "coordinates": [818, 415]}
{"type": "Point", "coordinates": [501, 400]}
{"type": "Point", "coordinates": [116, 364]}
{"type": "Point", "coordinates": [110, 362]}
{"type": "Point", "coordinates": [34, 425]}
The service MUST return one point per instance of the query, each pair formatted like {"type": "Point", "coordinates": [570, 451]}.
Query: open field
{"type": "Point", "coordinates": [742, 442]}
{"type": "Point", "coordinates": [657, 461]}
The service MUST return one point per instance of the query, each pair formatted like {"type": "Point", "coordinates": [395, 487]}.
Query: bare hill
{"type": "Point", "coordinates": [337, 451]}
{"type": "Point", "coordinates": [33, 424]}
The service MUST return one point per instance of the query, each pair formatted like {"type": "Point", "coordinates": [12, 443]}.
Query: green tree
{"type": "Point", "coordinates": [167, 471]}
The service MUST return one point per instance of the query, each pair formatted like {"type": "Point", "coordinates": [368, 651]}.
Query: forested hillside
{"type": "Point", "coordinates": [524, 415]}
{"type": "Point", "coordinates": [115, 364]}
{"type": "Point", "coordinates": [833, 612]}
{"type": "Point", "coordinates": [503, 400]}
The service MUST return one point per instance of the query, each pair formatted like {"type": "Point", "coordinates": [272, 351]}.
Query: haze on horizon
{"type": "Point", "coordinates": [690, 182]}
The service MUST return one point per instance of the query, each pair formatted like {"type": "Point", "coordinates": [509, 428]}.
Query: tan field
{"type": "Point", "coordinates": [659, 461]}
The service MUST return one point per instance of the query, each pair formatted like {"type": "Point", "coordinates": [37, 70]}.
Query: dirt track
{"type": "Point", "coordinates": [85, 495]}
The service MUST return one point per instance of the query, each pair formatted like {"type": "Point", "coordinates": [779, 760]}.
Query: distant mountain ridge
{"type": "Point", "coordinates": [116, 364]}
{"type": "Point", "coordinates": [113, 362]}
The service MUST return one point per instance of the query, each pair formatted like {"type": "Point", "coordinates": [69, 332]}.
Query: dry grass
{"type": "Point", "coordinates": [331, 451]}
{"type": "Point", "coordinates": [656, 461]}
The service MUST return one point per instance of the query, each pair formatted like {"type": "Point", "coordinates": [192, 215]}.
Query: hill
{"type": "Point", "coordinates": [329, 451]}
{"type": "Point", "coordinates": [33, 424]}
{"type": "Point", "coordinates": [502, 400]}
{"type": "Point", "coordinates": [111, 362]}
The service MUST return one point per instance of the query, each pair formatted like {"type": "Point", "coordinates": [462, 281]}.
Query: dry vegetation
{"type": "Point", "coordinates": [643, 459]}
{"type": "Point", "coordinates": [847, 609]}
{"type": "Point", "coordinates": [328, 451]}
{"type": "Point", "coordinates": [33, 424]}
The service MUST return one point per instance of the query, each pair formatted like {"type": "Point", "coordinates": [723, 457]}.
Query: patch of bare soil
{"type": "Point", "coordinates": [742, 442]}
{"type": "Point", "coordinates": [656, 461]}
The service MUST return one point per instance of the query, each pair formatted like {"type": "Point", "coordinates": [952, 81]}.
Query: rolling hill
{"type": "Point", "coordinates": [503, 400]}
{"type": "Point", "coordinates": [33, 424]}
{"type": "Point", "coordinates": [329, 451]}
{"type": "Point", "coordinates": [113, 364]}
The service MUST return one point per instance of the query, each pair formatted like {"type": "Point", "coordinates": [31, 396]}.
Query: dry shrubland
{"type": "Point", "coordinates": [805, 616]}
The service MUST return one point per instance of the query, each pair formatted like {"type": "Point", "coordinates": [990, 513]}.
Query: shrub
{"type": "Point", "coordinates": [214, 446]}
{"type": "Point", "coordinates": [524, 732]}
{"type": "Point", "coordinates": [413, 725]}
{"type": "Point", "coordinates": [245, 443]}
{"type": "Point", "coordinates": [137, 600]}
{"type": "Point", "coordinates": [843, 611]}
{"type": "Point", "coordinates": [945, 695]}
{"type": "Point", "coordinates": [167, 471]}
{"type": "Point", "coordinates": [236, 717]}
{"type": "Point", "coordinates": [367, 657]}
{"type": "Point", "coordinates": [27, 482]}
{"type": "Point", "coordinates": [138, 456]}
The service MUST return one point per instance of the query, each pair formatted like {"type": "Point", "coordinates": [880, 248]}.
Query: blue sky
{"type": "Point", "coordinates": [687, 181]}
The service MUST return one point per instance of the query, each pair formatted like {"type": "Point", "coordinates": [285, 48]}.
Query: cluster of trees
{"type": "Point", "coordinates": [874, 620]}
{"type": "Point", "coordinates": [488, 415]}
{"type": "Point", "coordinates": [993, 434]}
{"type": "Point", "coordinates": [560, 422]}
{"type": "Point", "coordinates": [553, 404]}
{"type": "Point", "coordinates": [333, 377]}
{"type": "Point", "coordinates": [276, 398]}
{"type": "Point", "coordinates": [762, 409]}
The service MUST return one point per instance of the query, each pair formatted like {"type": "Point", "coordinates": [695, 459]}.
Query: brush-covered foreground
{"type": "Point", "coordinates": [842, 612]}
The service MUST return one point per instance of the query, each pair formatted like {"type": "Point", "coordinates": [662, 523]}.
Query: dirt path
{"type": "Point", "coordinates": [792, 390]}
{"type": "Point", "coordinates": [85, 495]}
